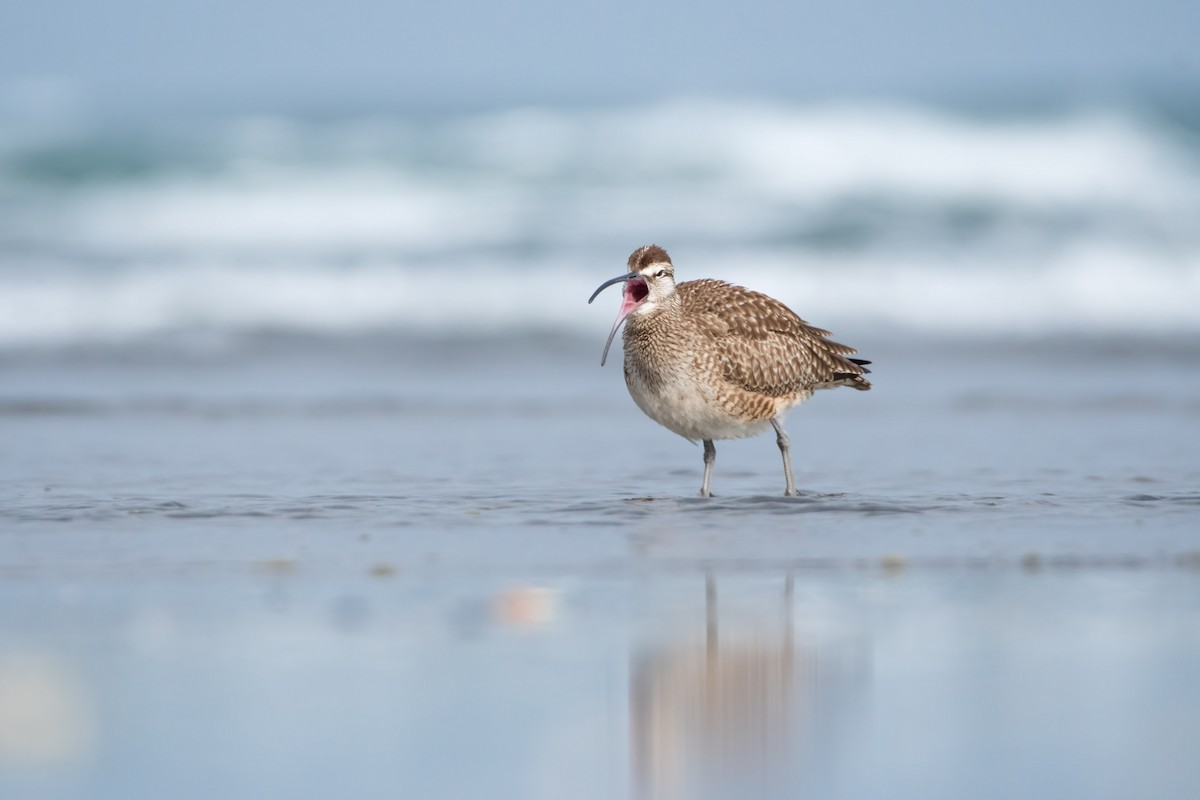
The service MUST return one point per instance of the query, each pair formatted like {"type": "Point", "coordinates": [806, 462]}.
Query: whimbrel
{"type": "Point", "coordinates": [709, 360]}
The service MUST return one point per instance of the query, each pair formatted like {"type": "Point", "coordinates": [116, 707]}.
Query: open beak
{"type": "Point", "coordinates": [635, 292]}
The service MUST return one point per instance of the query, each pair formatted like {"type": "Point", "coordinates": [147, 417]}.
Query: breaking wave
{"type": "Point", "coordinates": [1082, 220]}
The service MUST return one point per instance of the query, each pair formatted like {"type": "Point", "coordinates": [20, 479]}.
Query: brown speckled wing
{"type": "Point", "coordinates": [760, 345]}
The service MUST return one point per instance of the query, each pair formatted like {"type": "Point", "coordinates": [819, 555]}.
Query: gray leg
{"type": "Point", "coordinates": [781, 439]}
{"type": "Point", "coordinates": [710, 458]}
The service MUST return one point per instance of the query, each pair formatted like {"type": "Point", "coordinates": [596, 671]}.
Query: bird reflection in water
{"type": "Point", "coordinates": [724, 717]}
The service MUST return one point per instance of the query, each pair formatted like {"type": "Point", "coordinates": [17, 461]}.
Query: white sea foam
{"type": "Point", "coordinates": [1085, 292]}
{"type": "Point", "coordinates": [909, 216]}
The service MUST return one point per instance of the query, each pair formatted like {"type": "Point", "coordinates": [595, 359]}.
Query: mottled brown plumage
{"type": "Point", "coordinates": [710, 360]}
{"type": "Point", "coordinates": [766, 348]}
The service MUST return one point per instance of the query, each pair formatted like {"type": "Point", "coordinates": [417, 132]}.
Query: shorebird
{"type": "Point", "coordinates": [710, 360]}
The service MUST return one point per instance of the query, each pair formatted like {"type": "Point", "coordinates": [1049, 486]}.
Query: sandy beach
{"type": "Point", "coordinates": [312, 484]}
{"type": "Point", "coordinates": [347, 560]}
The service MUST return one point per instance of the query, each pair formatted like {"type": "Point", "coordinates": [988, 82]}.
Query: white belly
{"type": "Point", "coordinates": [687, 407]}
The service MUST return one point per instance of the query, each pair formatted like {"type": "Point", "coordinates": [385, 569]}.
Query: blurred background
{"type": "Point", "coordinates": [207, 172]}
{"type": "Point", "coordinates": [311, 484]}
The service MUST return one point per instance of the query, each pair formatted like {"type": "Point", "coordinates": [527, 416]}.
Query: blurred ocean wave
{"type": "Point", "coordinates": [1078, 220]}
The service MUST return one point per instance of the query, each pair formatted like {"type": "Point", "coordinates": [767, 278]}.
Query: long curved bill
{"type": "Point", "coordinates": [628, 303]}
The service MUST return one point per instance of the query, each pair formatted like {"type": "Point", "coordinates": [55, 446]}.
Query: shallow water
{"type": "Point", "coordinates": [450, 568]}
{"type": "Point", "coordinates": [1044, 683]}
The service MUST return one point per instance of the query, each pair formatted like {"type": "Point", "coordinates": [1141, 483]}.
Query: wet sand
{"type": "Point", "coordinates": [457, 568]}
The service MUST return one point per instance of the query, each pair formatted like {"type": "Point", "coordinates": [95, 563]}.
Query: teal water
{"type": "Point", "coordinates": [1071, 220]}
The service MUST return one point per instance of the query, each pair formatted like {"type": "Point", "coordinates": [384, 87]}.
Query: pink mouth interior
{"type": "Point", "coordinates": [635, 293]}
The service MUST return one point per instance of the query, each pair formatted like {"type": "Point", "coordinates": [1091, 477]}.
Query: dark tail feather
{"type": "Point", "coordinates": [854, 380]}
{"type": "Point", "coordinates": [862, 362]}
